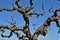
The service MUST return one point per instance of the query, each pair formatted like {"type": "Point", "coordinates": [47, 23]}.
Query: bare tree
{"type": "Point", "coordinates": [25, 29]}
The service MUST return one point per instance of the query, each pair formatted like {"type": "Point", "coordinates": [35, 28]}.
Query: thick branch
{"type": "Point", "coordinates": [11, 28]}
{"type": "Point", "coordinates": [28, 34]}
{"type": "Point", "coordinates": [41, 30]}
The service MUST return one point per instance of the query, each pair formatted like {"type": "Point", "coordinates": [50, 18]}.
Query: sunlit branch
{"type": "Point", "coordinates": [26, 31]}
{"type": "Point", "coordinates": [41, 30]}
{"type": "Point", "coordinates": [11, 28]}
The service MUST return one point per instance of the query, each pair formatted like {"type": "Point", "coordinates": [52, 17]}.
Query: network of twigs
{"type": "Point", "coordinates": [25, 29]}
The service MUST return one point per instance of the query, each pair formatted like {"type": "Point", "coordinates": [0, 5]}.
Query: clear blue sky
{"type": "Point", "coordinates": [51, 35]}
